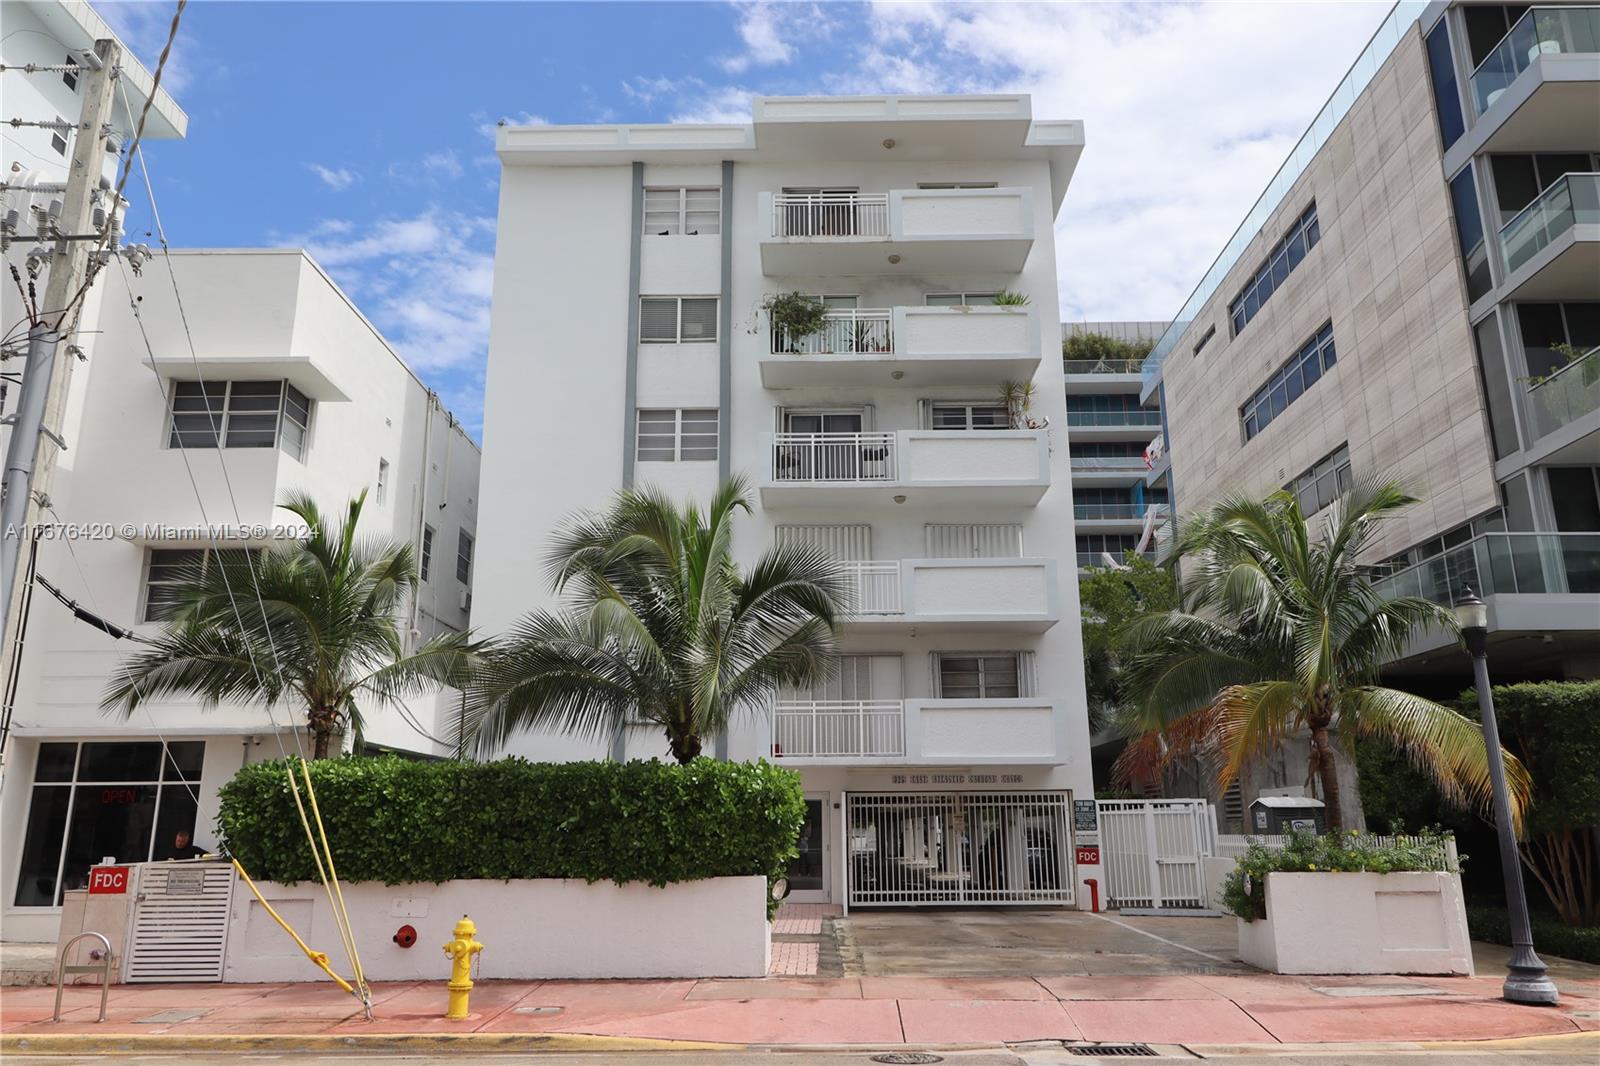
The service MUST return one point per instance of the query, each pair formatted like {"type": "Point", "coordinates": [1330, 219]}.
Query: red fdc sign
{"type": "Point", "coordinates": [1089, 856]}
{"type": "Point", "coordinates": [108, 880]}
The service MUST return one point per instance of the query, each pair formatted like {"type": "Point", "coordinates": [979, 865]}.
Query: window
{"type": "Point", "coordinates": [1469, 233]}
{"type": "Point", "coordinates": [1519, 179]}
{"type": "Point", "coordinates": [677, 319]}
{"type": "Point", "coordinates": [1094, 547]}
{"type": "Point", "coordinates": [1303, 370]}
{"type": "Point", "coordinates": [970, 416]}
{"type": "Point", "coordinates": [1446, 96]}
{"type": "Point", "coordinates": [101, 798]}
{"type": "Point", "coordinates": [1550, 330]}
{"type": "Point", "coordinates": [1211, 331]}
{"type": "Point", "coordinates": [58, 138]}
{"type": "Point", "coordinates": [1287, 254]}
{"type": "Point", "coordinates": [425, 566]}
{"type": "Point", "coordinates": [383, 481]}
{"type": "Point", "coordinates": [686, 212]}
{"type": "Point", "coordinates": [464, 557]}
{"type": "Point", "coordinates": [960, 299]}
{"type": "Point", "coordinates": [169, 571]}
{"type": "Point", "coordinates": [1322, 484]}
{"type": "Point", "coordinates": [1108, 449]}
{"type": "Point", "coordinates": [1115, 410]}
{"type": "Point", "coordinates": [71, 76]}
{"type": "Point", "coordinates": [985, 676]}
{"type": "Point", "coordinates": [239, 414]}
{"type": "Point", "coordinates": [687, 434]}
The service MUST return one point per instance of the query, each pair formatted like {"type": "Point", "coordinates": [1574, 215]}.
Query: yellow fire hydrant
{"type": "Point", "coordinates": [461, 950]}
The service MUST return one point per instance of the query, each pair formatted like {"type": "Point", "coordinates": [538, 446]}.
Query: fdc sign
{"type": "Point", "coordinates": [108, 881]}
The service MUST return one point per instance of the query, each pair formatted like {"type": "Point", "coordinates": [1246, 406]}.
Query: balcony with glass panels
{"type": "Point", "coordinates": [1561, 398]}
{"type": "Point", "coordinates": [908, 347]}
{"type": "Point", "coordinates": [1503, 564]}
{"type": "Point", "coordinates": [1536, 91]}
{"type": "Point", "coordinates": [1552, 246]}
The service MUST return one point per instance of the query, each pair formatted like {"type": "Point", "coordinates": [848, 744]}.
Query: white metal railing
{"type": "Point", "coordinates": [838, 729]}
{"type": "Point", "coordinates": [875, 586]}
{"type": "Point", "coordinates": [833, 457]}
{"type": "Point", "coordinates": [1151, 851]}
{"type": "Point", "coordinates": [830, 214]}
{"type": "Point", "coordinates": [940, 849]}
{"type": "Point", "coordinates": [845, 331]}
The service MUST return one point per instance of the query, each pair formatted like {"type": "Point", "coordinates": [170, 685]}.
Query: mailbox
{"type": "Point", "coordinates": [1278, 814]}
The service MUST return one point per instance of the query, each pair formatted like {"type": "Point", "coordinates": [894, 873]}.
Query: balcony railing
{"type": "Point", "coordinates": [1542, 30]}
{"type": "Point", "coordinates": [1502, 564]}
{"type": "Point", "coordinates": [1102, 366]}
{"type": "Point", "coordinates": [1092, 511]}
{"type": "Point", "coordinates": [875, 586]}
{"type": "Point", "coordinates": [830, 215]}
{"type": "Point", "coordinates": [1567, 395]}
{"type": "Point", "coordinates": [1573, 200]}
{"type": "Point", "coordinates": [1108, 462]}
{"type": "Point", "coordinates": [1114, 418]}
{"type": "Point", "coordinates": [848, 331]}
{"type": "Point", "coordinates": [834, 729]}
{"type": "Point", "coordinates": [833, 457]}
{"type": "Point", "coordinates": [1087, 560]}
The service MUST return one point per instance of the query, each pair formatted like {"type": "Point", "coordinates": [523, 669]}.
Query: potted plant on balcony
{"type": "Point", "coordinates": [1010, 299]}
{"type": "Point", "coordinates": [1332, 904]}
{"type": "Point", "coordinates": [794, 316]}
{"type": "Point", "coordinates": [1017, 396]}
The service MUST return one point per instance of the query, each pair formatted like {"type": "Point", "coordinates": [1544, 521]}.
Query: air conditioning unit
{"type": "Point", "coordinates": [466, 599]}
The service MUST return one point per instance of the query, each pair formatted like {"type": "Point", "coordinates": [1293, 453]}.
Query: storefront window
{"type": "Point", "coordinates": [101, 799]}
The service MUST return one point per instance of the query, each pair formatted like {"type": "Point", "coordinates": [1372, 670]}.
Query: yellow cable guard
{"type": "Point", "coordinates": [330, 883]}
{"type": "Point", "coordinates": [320, 958]}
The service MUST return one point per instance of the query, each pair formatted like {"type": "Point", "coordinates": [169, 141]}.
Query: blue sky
{"type": "Point", "coordinates": [362, 130]}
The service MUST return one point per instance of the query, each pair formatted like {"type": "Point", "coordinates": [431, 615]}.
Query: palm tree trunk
{"type": "Point", "coordinates": [1328, 775]}
{"type": "Point", "coordinates": [321, 722]}
{"type": "Point", "coordinates": [685, 747]}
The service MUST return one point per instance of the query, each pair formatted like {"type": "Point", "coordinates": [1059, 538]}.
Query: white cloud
{"type": "Point", "coordinates": [691, 99]}
{"type": "Point", "coordinates": [338, 179]}
{"type": "Point", "coordinates": [442, 164]}
{"type": "Point", "coordinates": [143, 27]}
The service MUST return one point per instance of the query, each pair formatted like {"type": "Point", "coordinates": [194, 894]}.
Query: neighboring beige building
{"type": "Point", "coordinates": [1417, 293]}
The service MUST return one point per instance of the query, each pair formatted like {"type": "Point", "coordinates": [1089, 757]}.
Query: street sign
{"type": "Point", "coordinates": [108, 880]}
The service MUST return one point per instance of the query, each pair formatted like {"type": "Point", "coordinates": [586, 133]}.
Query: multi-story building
{"type": "Point", "coordinates": [182, 441]}
{"type": "Point", "coordinates": [1417, 294]}
{"type": "Point", "coordinates": [1111, 431]}
{"type": "Point", "coordinates": [628, 347]}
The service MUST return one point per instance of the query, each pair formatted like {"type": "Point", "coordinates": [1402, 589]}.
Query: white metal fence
{"type": "Point", "coordinates": [833, 457]}
{"type": "Point", "coordinates": [1151, 851]}
{"type": "Point", "coordinates": [830, 214]}
{"type": "Point", "coordinates": [958, 848]}
{"type": "Point", "coordinates": [875, 586]}
{"type": "Point", "coordinates": [846, 331]}
{"type": "Point", "coordinates": [1232, 845]}
{"type": "Point", "coordinates": [838, 729]}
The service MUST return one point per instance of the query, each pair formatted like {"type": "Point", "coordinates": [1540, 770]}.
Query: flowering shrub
{"type": "Point", "coordinates": [1245, 890]}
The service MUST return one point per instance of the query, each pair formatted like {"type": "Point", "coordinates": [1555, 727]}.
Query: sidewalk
{"type": "Point", "coordinates": [877, 1011]}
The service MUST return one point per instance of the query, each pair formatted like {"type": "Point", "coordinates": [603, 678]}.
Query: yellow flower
{"type": "Point", "coordinates": [1311, 866]}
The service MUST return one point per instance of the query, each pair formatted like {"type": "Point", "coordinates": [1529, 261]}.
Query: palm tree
{"type": "Point", "coordinates": [310, 624]}
{"type": "Point", "coordinates": [1280, 633]}
{"type": "Point", "coordinates": [661, 627]}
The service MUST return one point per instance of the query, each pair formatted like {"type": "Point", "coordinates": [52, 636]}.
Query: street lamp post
{"type": "Point", "coordinates": [1526, 978]}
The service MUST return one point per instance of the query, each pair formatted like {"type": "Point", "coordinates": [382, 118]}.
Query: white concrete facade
{"type": "Point", "coordinates": [921, 509]}
{"type": "Point", "coordinates": [258, 316]}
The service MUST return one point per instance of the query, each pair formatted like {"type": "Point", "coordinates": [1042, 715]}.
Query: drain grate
{"type": "Point", "coordinates": [907, 1058]}
{"type": "Point", "coordinates": [1112, 1051]}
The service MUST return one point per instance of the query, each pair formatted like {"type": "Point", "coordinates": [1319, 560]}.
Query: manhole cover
{"type": "Point", "coordinates": [535, 1010]}
{"type": "Point", "coordinates": [1112, 1051]}
{"type": "Point", "coordinates": [907, 1058]}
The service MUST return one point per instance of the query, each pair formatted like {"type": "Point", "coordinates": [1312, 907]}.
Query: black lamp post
{"type": "Point", "coordinates": [1526, 979]}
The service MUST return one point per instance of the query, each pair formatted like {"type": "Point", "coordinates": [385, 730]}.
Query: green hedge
{"type": "Point", "coordinates": [1244, 890]}
{"type": "Point", "coordinates": [1551, 936]}
{"type": "Point", "coordinates": [398, 821]}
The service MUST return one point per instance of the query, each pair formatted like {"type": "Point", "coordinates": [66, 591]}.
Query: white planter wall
{"type": "Point", "coordinates": [530, 929]}
{"type": "Point", "coordinates": [1360, 923]}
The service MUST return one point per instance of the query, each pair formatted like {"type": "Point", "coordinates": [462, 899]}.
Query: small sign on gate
{"type": "Point", "coordinates": [186, 881]}
{"type": "Point", "coordinates": [1088, 855]}
{"type": "Point", "coordinates": [1085, 816]}
{"type": "Point", "coordinates": [108, 881]}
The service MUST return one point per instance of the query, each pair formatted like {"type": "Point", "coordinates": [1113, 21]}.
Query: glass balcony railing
{"type": "Point", "coordinates": [1102, 366]}
{"type": "Point", "coordinates": [1108, 462]}
{"type": "Point", "coordinates": [1090, 511]}
{"type": "Point", "coordinates": [1573, 200]}
{"type": "Point", "coordinates": [1542, 31]}
{"type": "Point", "coordinates": [1567, 395]}
{"type": "Point", "coordinates": [1502, 564]}
{"type": "Point", "coordinates": [1113, 418]}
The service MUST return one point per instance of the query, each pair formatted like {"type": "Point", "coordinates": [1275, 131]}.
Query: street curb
{"type": "Point", "coordinates": [1576, 1041]}
{"type": "Point", "coordinates": [414, 1043]}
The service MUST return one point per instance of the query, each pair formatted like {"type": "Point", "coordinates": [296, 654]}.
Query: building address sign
{"type": "Point", "coordinates": [956, 779]}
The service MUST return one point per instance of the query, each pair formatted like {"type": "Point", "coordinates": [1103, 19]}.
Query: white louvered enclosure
{"type": "Point", "coordinates": [874, 583]}
{"type": "Point", "coordinates": [973, 540]}
{"type": "Point", "coordinates": [942, 849]}
{"type": "Point", "coordinates": [180, 922]}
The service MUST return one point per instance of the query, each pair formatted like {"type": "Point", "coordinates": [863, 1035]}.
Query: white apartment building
{"type": "Point", "coordinates": [628, 347]}
{"type": "Point", "coordinates": [310, 398]}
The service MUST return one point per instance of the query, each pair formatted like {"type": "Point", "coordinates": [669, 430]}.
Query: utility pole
{"type": "Point", "coordinates": [42, 399]}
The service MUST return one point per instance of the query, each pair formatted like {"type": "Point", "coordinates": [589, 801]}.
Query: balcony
{"type": "Point", "coordinates": [1536, 90]}
{"type": "Point", "coordinates": [1112, 425]}
{"type": "Point", "coordinates": [1565, 396]}
{"type": "Point", "coordinates": [1503, 564]}
{"type": "Point", "coordinates": [1018, 595]}
{"type": "Point", "coordinates": [1108, 470]}
{"type": "Point", "coordinates": [907, 467]}
{"type": "Point", "coordinates": [908, 346]}
{"type": "Point", "coordinates": [1552, 246]}
{"type": "Point", "coordinates": [904, 231]}
{"type": "Point", "coordinates": [916, 732]}
{"type": "Point", "coordinates": [1117, 516]}
{"type": "Point", "coordinates": [1086, 377]}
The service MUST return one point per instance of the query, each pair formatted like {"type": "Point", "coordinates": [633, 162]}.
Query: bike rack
{"type": "Point", "coordinates": [103, 966]}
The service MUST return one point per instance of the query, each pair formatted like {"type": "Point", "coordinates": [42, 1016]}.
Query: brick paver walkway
{"type": "Point", "coordinates": [798, 934]}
